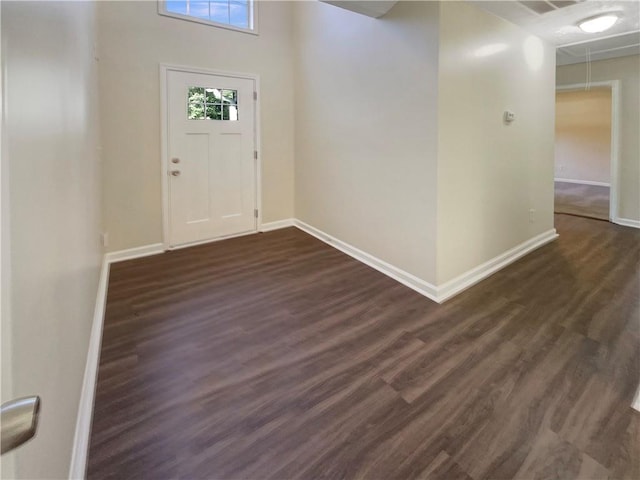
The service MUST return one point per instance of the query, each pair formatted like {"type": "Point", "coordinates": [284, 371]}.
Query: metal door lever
{"type": "Point", "coordinates": [18, 421]}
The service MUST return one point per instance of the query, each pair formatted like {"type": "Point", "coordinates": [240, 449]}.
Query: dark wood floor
{"type": "Point", "coordinates": [276, 356]}
{"type": "Point", "coordinates": [584, 200]}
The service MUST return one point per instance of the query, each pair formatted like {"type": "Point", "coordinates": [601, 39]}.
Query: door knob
{"type": "Point", "coordinates": [19, 421]}
{"type": "Point", "coordinates": [175, 173]}
{"type": "Point", "coordinates": [175, 160]}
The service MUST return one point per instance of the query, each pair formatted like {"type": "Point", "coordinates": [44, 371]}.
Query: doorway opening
{"type": "Point", "coordinates": [586, 150]}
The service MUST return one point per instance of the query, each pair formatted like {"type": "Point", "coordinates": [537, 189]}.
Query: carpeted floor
{"type": "Point", "coordinates": [585, 200]}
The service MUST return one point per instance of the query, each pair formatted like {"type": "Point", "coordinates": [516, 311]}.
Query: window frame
{"type": "Point", "coordinates": [253, 18]}
{"type": "Point", "coordinates": [221, 104]}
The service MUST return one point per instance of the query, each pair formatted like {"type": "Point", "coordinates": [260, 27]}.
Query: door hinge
{"type": "Point", "coordinates": [255, 213]}
{"type": "Point", "coordinates": [255, 154]}
{"type": "Point", "coordinates": [255, 95]}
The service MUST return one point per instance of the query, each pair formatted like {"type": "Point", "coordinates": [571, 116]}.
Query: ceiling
{"type": "Point", "coordinates": [556, 22]}
{"type": "Point", "coordinates": [375, 8]}
{"type": "Point", "coordinates": [553, 20]}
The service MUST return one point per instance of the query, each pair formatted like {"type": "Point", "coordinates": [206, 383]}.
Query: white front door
{"type": "Point", "coordinates": [210, 149]}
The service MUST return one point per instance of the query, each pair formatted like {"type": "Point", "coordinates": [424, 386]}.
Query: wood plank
{"type": "Point", "coordinates": [277, 356]}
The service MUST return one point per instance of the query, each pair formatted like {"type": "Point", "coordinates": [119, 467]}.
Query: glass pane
{"type": "Point", "coordinates": [177, 7]}
{"type": "Point", "coordinates": [219, 11]}
{"type": "Point", "coordinates": [199, 9]}
{"type": "Point", "coordinates": [214, 95]}
{"type": "Point", "coordinates": [230, 96]}
{"type": "Point", "coordinates": [233, 113]}
{"type": "Point", "coordinates": [195, 111]}
{"type": "Point", "coordinates": [214, 112]}
{"type": "Point", "coordinates": [239, 13]}
{"type": "Point", "coordinates": [195, 103]}
{"type": "Point", "coordinates": [196, 91]}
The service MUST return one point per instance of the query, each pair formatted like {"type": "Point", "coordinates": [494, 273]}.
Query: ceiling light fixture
{"type": "Point", "coordinates": [598, 24]}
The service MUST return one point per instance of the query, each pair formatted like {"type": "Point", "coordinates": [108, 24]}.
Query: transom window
{"type": "Point", "coordinates": [232, 14]}
{"type": "Point", "coordinates": [204, 103]}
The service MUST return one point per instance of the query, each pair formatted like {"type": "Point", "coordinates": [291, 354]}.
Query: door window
{"type": "Point", "coordinates": [205, 103]}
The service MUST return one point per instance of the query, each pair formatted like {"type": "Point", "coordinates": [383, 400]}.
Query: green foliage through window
{"type": "Point", "coordinates": [206, 103]}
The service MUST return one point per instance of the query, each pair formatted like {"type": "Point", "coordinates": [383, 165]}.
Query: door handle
{"type": "Point", "coordinates": [175, 173]}
{"type": "Point", "coordinates": [18, 422]}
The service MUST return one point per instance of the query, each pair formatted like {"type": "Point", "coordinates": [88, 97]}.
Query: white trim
{"type": "Point", "coordinates": [253, 30]}
{"type": "Point", "coordinates": [475, 275]}
{"type": "Point", "coordinates": [132, 253]}
{"type": "Point", "coordinates": [615, 137]}
{"type": "Point", "coordinates": [80, 448]}
{"type": "Point", "coordinates": [406, 278]}
{"type": "Point", "coordinates": [437, 293]}
{"type": "Point", "coordinates": [164, 138]}
{"type": "Point", "coordinates": [269, 226]}
{"type": "Point", "coordinates": [258, 145]}
{"type": "Point", "coordinates": [582, 182]}
{"type": "Point", "coordinates": [636, 401]}
{"type": "Point", "coordinates": [616, 119]}
{"type": "Point", "coordinates": [212, 240]}
{"type": "Point", "coordinates": [7, 461]}
{"type": "Point", "coordinates": [164, 153]}
{"type": "Point", "coordinates": [627, 222]}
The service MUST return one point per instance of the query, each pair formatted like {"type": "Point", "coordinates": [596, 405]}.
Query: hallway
{"type": "Point", "coordinates": [590, 201]}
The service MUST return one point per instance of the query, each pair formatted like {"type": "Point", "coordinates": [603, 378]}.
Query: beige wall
{"type": "Point", "coordinates": [366, 127]}
{"type": "Point", "coordinates": [583, 135]}
{"type": "Point", "coordinates": [401, 149]}
{"type": "Point", "coordinates": [627, 71]}
{"type": "Point", "coordinates": [133, 41]}
{"type": "Point", "coordinates": [50, 139]}
{"type": "Point", "coordinates": [491, 174]}
{"type": "Point", "coordinates": [7, 461]}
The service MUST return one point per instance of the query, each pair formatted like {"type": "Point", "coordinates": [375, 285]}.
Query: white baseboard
{"type": "Point", "coordinates": [210, 240]}
{"type": "Point", "coordinates": [437, 293]}
{"type": "Point", "coordinates": [475, 275]}
{"type": "Point", "coordinates": [406, 278]}
{"type": "Point", "coordinates": [627, 222]}
{"type": "Point", "coordinates": [132, 253]}
{"type": "Point", "coordinates": [78, 466]}
{"type": "Point", "coordinates": [80, 450]}
{"type": "Point", "coordinates": [583, 182]}
{"type": "Point", "coordinates": [267, 227]}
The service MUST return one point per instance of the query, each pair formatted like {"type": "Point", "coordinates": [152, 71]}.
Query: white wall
{"type": "Point", "coordinates": [627, 71]}
{"type": "Point", "coordinates": [401, 149]}
{"type": "Point", "coordinates": [50, 144]}
{"type": "Point", "coordinates": [491, 174]}
{"type": "Point", "coordinates": [583, 135]}
{"type": "Point", "coordinates": [7, 461]}
{"type": "Point", "coordinates": [133, 41]}
{"type": "Point", "coordinates": [366, 129]}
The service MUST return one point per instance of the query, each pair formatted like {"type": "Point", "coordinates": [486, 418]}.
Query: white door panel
{"type": "Point", "coordinates": [211, 143]}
